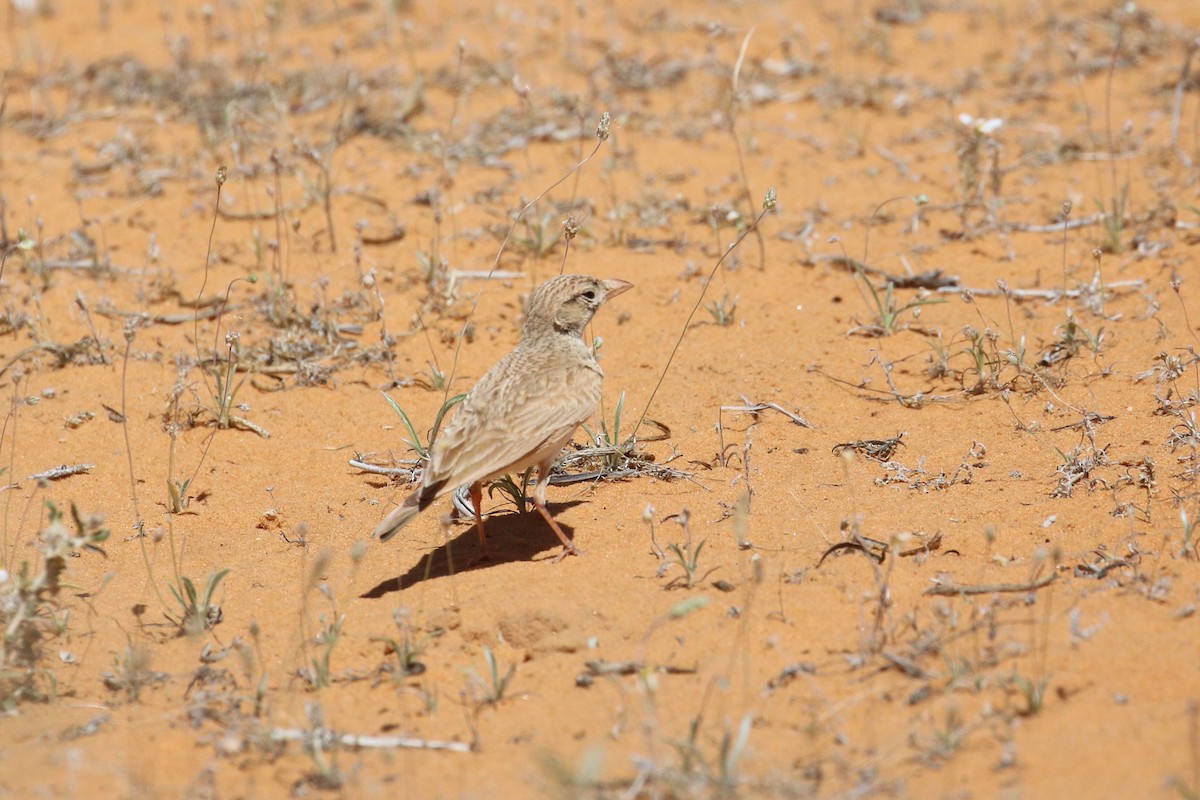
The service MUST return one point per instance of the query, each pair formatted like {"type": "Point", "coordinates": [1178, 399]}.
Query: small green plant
{"type": "Point", "coordinates": [198, 611]}
{"type": "Point", "coordinates": [607, 443]}
{"type": "Point", "coordinates": [407, 647]}
{"type": "Point", "coordinates": [225, 381]}
{"type": "Point", "coordinates": [177, 496]}
{"type": "Point", "coordinates": [885, 303]}
{"type": "Point", "coordinates": [490, 688]}
{"type": "Point", "coordinates": [611, 435]}
{"type": "Point", "coordinates": [318, 673]}
{"type": "Point", "coordinates": [515, 491]}
{"type": "Point", "coordinates": [31, 613]}
{"type": "Point", "coordinates": [984, 357]}
{"type": "Point", "coordinates": [434, 378]}
{"type": "Point", "coordinates": [227, 386]}
{"type": "Point", "coordinates": [1071, 337]}
{"type": "Point", "coordinates": [686, 556]}
{"type": "Point", "coordinates": [723, 310]}
{"type": "Point", "coordinates": [414, 441]}
{"type": "Point", "coordinates": [887, 307]}
{"type": "Point", "coordinates": [949, 737]}
{"type": "Point", "coordinates": [1032, 691]}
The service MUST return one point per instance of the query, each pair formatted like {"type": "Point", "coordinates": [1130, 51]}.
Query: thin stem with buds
{"type": "Point", "coordinates": [768, 205]}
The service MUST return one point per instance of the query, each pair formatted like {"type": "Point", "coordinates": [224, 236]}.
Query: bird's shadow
{"type": "Point", "coordinates": [511, 537]}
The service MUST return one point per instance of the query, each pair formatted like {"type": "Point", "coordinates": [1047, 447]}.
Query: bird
{"type": "Point", "coordinates": [524, 410]}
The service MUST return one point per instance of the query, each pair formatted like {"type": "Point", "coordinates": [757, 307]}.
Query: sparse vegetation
{"type": "Point", "coordinates": [33, 610]}
{"type": "Point", "coordinates": [197, 611]}
{"type": "Point", "coordinates": [952, 473]}
{"type": "Point", "coordinates": [490, 687]}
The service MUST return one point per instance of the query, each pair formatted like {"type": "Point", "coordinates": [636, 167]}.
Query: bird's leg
{"type": "Point", "coordinates": [476, 492]}
{"type": "Point", "coordinates": [539, 500]}
{"type": "Point", "coordinates": [569, 548]}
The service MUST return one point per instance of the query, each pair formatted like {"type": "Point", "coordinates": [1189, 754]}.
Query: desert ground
{"type": "Point", "coordinates": [893, 491]}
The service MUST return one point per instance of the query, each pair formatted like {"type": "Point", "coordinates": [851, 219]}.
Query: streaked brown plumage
{"type": "Point", "coordinates": [524, 410]}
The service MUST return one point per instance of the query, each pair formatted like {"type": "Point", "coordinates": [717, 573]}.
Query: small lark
{"type": "Point", "coordinates": [524, 410]}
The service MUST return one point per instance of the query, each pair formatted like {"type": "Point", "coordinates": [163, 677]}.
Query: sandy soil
{"type": "Point", "coordinates": [921, 524]}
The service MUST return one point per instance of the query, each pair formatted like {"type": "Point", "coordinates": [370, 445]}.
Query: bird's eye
{"type": "Point", "coordinates": [589, 295]}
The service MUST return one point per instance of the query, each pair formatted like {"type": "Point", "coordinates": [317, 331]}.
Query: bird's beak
{"type": "Point", "coordinates": [614, 286]}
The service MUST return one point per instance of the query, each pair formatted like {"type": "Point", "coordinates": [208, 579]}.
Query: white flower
{"type": "Point", "coordinates": [989, 126]}
{"type": "Point", "coordinates": [982, 126]}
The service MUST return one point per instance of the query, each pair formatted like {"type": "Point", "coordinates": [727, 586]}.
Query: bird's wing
{"type": "Point", "coordinates": [519, 409]}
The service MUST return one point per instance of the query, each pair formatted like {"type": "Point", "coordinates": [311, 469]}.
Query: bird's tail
{"type": "Point", "coordinates": [400, 516]}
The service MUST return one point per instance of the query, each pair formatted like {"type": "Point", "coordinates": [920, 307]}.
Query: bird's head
{"type": "Point", "coordinates": [567, 303]}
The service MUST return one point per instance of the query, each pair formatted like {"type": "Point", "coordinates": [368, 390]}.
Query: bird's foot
{"type": "Point", "coordinates": [568, 550]}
